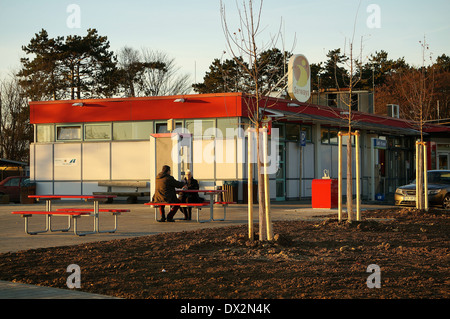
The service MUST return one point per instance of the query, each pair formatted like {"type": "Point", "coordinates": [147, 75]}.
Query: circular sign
{"type": "Point", "coordinates": [299, 78]}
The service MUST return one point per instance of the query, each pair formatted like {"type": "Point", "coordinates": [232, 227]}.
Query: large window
{"type": "Point", "coordinates": [97, 131]}
{"type": "Point", "coordinates": [324, 135]}
{"type": "Point", "coordinates": [161, 127]}
{"type": "Point", "coordinates": [132, 130]}
{"type": "Point", "coordinates": [68, 132]}
{"type": "Point", "coordinates": [293, 132]}
{"type": "Point", "coordinates": [45, 133]}
{"type": "Point", "coordinates": [201, 128]}
{"type": "Point", "coordinates": [228, 123]}
{"type": "Point", "coordinates": [329, 135]}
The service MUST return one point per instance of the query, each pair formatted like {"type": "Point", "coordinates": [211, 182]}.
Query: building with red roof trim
{"type": "Point", "coordinates": [80, 143]}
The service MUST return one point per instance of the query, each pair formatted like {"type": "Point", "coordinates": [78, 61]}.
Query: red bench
{"type": "Point", "coordinates": [194, 205]}
{"type": "Point", "coordinates": [113, 211]}
{"type": "Point", "coordinates": [72, 215]}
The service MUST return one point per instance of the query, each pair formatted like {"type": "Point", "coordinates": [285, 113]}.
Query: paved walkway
{"type": "Point", "coordinates": [139, 222]}
{"type": "Point", "coordinates": [11, 290]}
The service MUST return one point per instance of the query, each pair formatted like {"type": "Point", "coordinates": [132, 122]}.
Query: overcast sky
{"type": "Point", "coordinates": [191, 31]}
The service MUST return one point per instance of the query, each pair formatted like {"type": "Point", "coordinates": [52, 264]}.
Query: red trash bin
{"type": "Point", "coordinates": [324, 193]}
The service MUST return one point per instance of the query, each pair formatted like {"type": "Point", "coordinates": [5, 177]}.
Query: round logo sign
{"type": "Point", "coordinates": [299, 78]}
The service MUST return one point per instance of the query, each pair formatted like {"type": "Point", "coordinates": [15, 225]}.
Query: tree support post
{"type": "Point", "coordinates": [340, 176]}
{"type": "Point", "coordinates": [250, 132]}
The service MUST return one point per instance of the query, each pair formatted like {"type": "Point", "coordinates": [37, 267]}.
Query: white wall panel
{"type": "Point", "coordinates": [308, 161]}
{"type": "Point", "coordinates": [292, 188]}
{"type": "Point", "coordinates": [130, 160]}
{"type": "Point", "coordinates": [307, 188]}
{"type": "Point", "coordinates": [68, 188]}
{"type": "Point", "coordinates": [63, 167]}
{"type": "Point", "coordinates": [90, 187]}
{"type": "Point", "coordinates": [293, 162]}
{"type": "Point", "coordinates": [43, 162]}
{"type": "Point", "coordinates": [226, 164]}
{"type": "Point", "coordinates": [44, 188]}
{"type": "Point", "coordinates": [96, 161]}
{"type": "Point", "coordinates": [32, 166]}
{"type": "Point", "coordinates": [203, 157]}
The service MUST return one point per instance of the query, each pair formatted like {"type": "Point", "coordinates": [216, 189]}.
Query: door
{"type": "Point", "coordinates": [443, 161]}
{"type": "Point", "coordinates": [280, 176]}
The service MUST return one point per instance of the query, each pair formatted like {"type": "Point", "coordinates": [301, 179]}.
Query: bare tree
{"type": "Point", "coordinates": [163, 81]}
{"type": "Point", "coordinates": [354, 77]}
{"type": "Point", "coordinates": [246, 52]}
{"type": "Point", "coordinates": [150, 73]}
{"type": "Point", "coordinates": [417, 88]}
{"type": "Point", "coordinates": [16, 131]}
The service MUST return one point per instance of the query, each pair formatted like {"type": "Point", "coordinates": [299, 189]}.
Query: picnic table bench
{"type": "Point", "coordinates": [115, 212]}
{"type": "Point", "coordinates": [198, 206]}
{"type": "Point", "coordinates": [48, 221]}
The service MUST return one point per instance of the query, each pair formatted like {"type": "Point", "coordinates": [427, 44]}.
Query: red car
{"type": "Point", "coordinates": [11, 186]}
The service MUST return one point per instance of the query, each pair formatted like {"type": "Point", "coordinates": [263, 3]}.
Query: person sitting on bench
{"type": "Point", "coordinates": [165, 185]}
{"type": "Point", "coordinates": [191, 183]}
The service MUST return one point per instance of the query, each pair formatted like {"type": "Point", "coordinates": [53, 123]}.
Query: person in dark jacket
{"type": "Point", "coordinates": [191, 184]}
{"type": "Point", "coordinates": [165, 185]}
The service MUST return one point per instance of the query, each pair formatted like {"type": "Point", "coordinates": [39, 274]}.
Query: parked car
{"type": "Point", "coordinates": [12, 185]}
{"type": "Point", "coordinates": [438, 190]}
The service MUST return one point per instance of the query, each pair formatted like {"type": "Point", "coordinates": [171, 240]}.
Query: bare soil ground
{"type": "Point", "coordinates": [308, 260]}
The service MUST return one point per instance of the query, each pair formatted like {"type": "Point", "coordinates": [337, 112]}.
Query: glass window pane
{"type": "Point", "coordinates": [142, 130]}
{"type": "Point", "coordinates": [122, 131]}
{"type": "Point", "coordinates": [333, 134]}
{"type": "Point", "coordinates": [293, 132]}
{"type": "Point", "coordinates": [68, 133]}
{"type": "Point", "coordinates": [132, 130]}
{"type": "Point", "coordinates": [324, 136]}
{"type": "Point", "coordinates": [44, 133]}
{"type": "Point", "coordinates": [97, 131]}
{"type": "Point", "coordinates": [161, 128]}
{"type": "Point", "coordinates": [231, 123]}
{"type": "Point", "coordinates": [198, 127]}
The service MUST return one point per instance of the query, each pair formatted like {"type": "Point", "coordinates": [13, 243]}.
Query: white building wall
{"type": "Point", "coordinates": [76, 168]}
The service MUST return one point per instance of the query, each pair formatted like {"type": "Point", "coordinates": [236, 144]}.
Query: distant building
{"type": "Point", "coordinates": [361, 100]}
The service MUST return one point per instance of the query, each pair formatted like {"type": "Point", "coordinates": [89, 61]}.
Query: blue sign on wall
{"type": "Point", "coordinates": [302, 138]}
{"type": "Point", "coordinates": [379, 144]}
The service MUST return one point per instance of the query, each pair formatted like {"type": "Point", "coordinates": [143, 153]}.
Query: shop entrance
{"type": "Point", "coordinates": [443, 160]}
